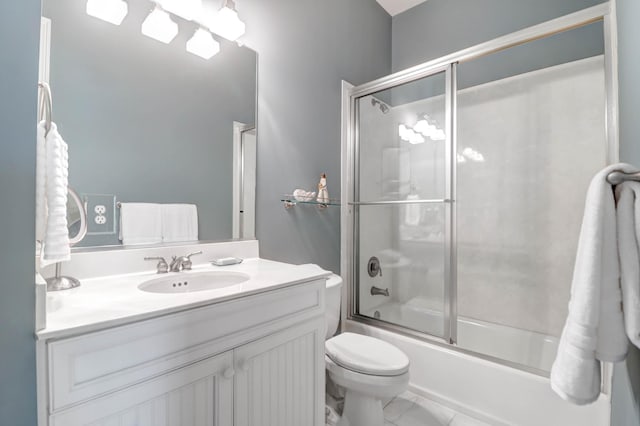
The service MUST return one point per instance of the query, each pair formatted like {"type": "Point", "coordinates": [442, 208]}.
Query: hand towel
{"type": "Point", "coordinates": [41, 183]}
{"type": "Point", "coordinates": [140, 223]}
{"type": "Point", "coordinates": [628, 215]}
{"type": "Point", "coordinates": [53, 230]}
{"type": "Point", "coordinates": [179, 222]}
{"type": "Point", "coordinates": [594, 330]}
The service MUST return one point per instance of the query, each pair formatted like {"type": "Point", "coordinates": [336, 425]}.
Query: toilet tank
{"type": "Point", "coordinates": [332, 301]}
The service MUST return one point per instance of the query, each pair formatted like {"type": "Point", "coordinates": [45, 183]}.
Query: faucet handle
{"type": "Point", "coordinates": [162, 266]}
{"type": "Point", "coordinates": [187, 264]}
{"type": "Point", "coordinates": [193, 254]}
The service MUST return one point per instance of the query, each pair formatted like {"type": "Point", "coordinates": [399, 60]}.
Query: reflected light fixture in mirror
{"type": "Point", "coordinates": [226, 22]}
{"type": "Point", "coordinates": [159, 25]}
{"type": "Point", "coordinates": [187, 9]}
{"type": "Point", "coordinates": [112, 11]}
{"type": "Point", "coordinates": [203, 44]}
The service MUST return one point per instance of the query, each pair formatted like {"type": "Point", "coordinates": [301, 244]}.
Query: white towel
{"type": "Point", "coordinates": [52, 181]}
{"type": "Point", "coordinates": [179, 222]}
{"type": "Point", "coordinates": [594, 330]}
{"type": "Point", "coordinates": [628, 196]}
{"type": "Point", "coordinates": [140, 223]}
{"type": "Point", "coordinates": [41, 183]}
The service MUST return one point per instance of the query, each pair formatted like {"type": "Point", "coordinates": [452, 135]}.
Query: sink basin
{"type": "Point", "coordinates": [193, 281]}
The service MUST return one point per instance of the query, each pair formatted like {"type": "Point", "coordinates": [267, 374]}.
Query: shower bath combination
{"type": "Point", "coordinates": [470, 226]}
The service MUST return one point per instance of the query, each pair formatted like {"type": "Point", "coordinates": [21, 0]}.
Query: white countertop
{"type": "Point", "coordinates": [110, 301]}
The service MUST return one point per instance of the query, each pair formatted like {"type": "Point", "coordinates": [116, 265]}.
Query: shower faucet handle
{"type": "Point", "coordinates": [373, 267]}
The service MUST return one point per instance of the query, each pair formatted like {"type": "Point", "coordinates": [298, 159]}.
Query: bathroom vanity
{"type": "Point", "coordinates": [250, 353]}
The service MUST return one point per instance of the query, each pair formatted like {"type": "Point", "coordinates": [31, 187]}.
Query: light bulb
{"type": "Point", "coordinates": [227, 24]}
{"type": "Point", "coordinates": [187, 9]}
{"type": "Point", "coordinates": [112, 11]}
{"type": "Point", "coordinates": [421, 126]}
{"type": "Point", "coordinates": [203, 44]}
{"type": "Point", "coordinates": [416, 138]}
{"type": "Point", "coordinates": [158, 25]}
{"type": "Point", "coordinates": [403, 132]}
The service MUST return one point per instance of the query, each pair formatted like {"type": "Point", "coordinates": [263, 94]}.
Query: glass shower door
{"type": "Point", "coordinates": [402, 205]}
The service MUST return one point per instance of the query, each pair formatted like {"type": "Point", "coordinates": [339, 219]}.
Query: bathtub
{"type": "Point", "coordinates": [528, 348]}
{"type": "Point", "coordinates": [489, 391]}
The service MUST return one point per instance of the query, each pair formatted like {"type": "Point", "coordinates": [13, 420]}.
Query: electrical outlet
{"type": "Point", "coordinates": [101, 211]}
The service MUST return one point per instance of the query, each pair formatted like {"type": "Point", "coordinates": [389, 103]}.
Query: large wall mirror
{"type": "Point", "coordinates": [150, 122]}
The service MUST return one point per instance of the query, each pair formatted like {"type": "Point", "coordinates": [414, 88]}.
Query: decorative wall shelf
{"type": "Point", "coordinates": [290, 201]}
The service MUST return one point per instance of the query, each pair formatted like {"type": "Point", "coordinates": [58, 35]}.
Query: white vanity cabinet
{"type": "Point", "coordinates": [253, 361]}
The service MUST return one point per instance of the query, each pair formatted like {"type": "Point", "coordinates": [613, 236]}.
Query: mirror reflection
{"type": "Point", "coordinates": [148, 122]}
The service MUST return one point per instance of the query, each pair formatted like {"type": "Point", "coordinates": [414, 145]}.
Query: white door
{"type": "Point", "coordinates": [279, 379]}
{"type": "Point", "coordinates": [244, 180]}
{"type": "Point", "coordinates": [198, 395]}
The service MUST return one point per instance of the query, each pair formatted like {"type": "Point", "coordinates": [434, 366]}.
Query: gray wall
{"type": "Point", "coordinates": [626, 380]}
{"type": "Point", "coordinates": [19, 35]}
{"type": "Point", "coordinates": [148, 121]}
{"type": "Point", "coordinates": [306, 47]}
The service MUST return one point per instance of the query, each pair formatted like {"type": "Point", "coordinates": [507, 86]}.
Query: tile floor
{"type": "Point", "coordinates": [408, 409]}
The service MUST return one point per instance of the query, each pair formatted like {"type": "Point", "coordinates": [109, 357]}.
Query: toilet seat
{"type": "Point", "coordinates": [366, 355]}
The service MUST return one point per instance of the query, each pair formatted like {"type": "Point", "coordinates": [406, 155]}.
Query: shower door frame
{"type": "Point", "coordinates": [604, 12]}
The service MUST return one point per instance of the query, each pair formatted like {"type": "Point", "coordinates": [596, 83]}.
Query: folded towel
{"type": "Point", "coordinates": [628, 196]}
{"type": "Point", "coordinates": [51, 221]}
{"type": "Point", "coordinates": [594, 330]}
{"type": "Point", "coordinates": [179, 222]}
{"type": "Point", "coordinates": [140, 223]}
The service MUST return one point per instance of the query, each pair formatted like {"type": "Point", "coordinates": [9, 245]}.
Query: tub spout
{"type": "Point", "coordinates": [375, 291]}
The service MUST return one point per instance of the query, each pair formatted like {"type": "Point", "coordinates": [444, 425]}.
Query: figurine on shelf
{"type": "Point", "coordinates": [323, 194]}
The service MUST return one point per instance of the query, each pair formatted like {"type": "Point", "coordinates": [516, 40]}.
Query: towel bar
{"type": "Point", "coordinates": [615, 178]}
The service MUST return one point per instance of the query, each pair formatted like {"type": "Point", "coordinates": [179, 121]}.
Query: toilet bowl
{"type": "Point", "coordinates": [370, 370]}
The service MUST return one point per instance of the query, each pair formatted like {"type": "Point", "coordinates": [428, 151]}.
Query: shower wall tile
{"type": "Point", "coordinates": [541, 135]}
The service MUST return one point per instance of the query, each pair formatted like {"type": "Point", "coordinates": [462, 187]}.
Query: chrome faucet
{"type": "Point", "coordinates": [375, 291]}
{"type": "Point", "coordinates": [182, 263]}
{"type": "Point", "coordinates": [162, 266]}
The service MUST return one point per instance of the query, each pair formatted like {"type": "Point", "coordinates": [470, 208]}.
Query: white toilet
{"type": "Point", "coordinates": [369, 369]}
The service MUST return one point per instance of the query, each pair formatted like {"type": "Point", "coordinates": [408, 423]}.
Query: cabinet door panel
{"type": "Point", "coordinates": [197, 395]}
{"type": "Point", "coordinates": [280, 379]}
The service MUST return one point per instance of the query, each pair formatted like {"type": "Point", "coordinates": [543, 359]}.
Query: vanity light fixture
{"type": "Point", "coordinates": [187, 9]}
{"type": "Point", "coordinates": [160, 26]}
{"type": "Point", "coordinates": [409, 135]}
{"type": "Point", "coordinates": [226, 22]}
{"type": "Point", "coordinates": [112, 11]}
{"type": "Point", "coordinates": [203, 44]}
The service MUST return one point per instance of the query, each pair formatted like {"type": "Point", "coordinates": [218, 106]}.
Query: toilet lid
{"type": "Point", "coordinates": [366, 355]}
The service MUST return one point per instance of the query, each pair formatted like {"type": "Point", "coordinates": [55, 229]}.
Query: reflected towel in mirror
{"type": "Point", "coordinates": [179, 222]}
{"type": "Point", "coordinates": [140, 223]}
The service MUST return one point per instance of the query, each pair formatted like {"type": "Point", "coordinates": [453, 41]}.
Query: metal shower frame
{"type": "Point", "coordinates": [604, 12]}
